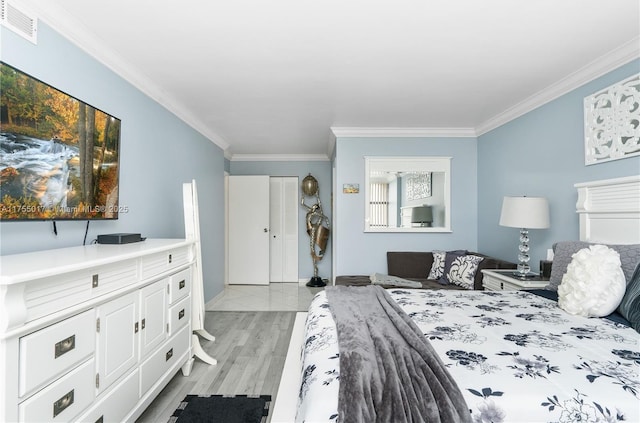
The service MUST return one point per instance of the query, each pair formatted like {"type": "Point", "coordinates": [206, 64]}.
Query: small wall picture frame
{"type": "Point", "coordinates": [350, 188]}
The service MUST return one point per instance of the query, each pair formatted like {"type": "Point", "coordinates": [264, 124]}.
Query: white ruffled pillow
{"type": "Point", "coordinates": [594, 283]}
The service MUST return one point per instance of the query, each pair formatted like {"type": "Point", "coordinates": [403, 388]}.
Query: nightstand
{"type": "Point", "coordinates": [504, 280]}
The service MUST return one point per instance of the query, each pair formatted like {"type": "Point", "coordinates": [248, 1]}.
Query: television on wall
{"type": "Point", "coordinates": [59, 157]}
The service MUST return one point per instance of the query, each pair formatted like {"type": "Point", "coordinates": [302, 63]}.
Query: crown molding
{"type": "Point", "coordinates": [357, 132]}
{"type": "Point", "coordinates": [74, 31]}
{"type": "Point", "coordinates": [604, 64]}
{"type": "Point", "coordinates": [280, 158]}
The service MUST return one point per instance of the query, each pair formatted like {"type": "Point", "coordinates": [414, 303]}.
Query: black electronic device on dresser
{"type": "Point", "coordinates": [120, 238]}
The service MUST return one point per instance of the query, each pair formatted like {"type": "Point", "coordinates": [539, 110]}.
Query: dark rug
{"type": "Point", "coordinates": [222, 409]}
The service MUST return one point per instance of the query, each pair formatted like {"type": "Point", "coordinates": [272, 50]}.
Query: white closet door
{"type": "Point", "coordinates": [276, 240]}
{"type": "Point", "coordinates": [291, 208]}
{"type": "Point", "coordinates": [249, 230]}
{"type": "Point", "coordinates": [284, 229]}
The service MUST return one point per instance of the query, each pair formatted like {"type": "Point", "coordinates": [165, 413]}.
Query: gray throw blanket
{"type": "Point", "coordinates": [389, 372]}
{"type": "Point", "coordinates": [380, 279]}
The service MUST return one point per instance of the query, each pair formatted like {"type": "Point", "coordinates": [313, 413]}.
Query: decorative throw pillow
{"type": "Point", "coordinates": [594, 283]}
{"type": "Point", "coordinates": [562, 252]}
{"type": "Point", "coordinates": [463, 270]}
{"type": "Point", "coordinates": [449, 257]}
{"type": "Point", "coordinates": [629, 307]}
{"type": "Point", "coordinates": [437, 268]}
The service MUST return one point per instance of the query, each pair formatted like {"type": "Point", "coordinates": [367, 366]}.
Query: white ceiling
{"type": "Point", "coordinates": [273, 77]}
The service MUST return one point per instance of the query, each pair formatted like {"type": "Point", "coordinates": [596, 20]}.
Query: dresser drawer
{"type": "Point", "coordinates": [492, 284]}
{"type": "Point", "coordinates": [62, 400]}
{"type": "Point", "coordinates": [179, 315]}
{"type": "Point", "coordinates": [113, 406]}
{"type": "Point", "coordinates": [163, 359]}
{"type": "Point", "coordinates": [154, 264]}
{"type": "Point", "coordinates": [49, 352]}
{"type": "Point", "coordinates": [48, 295]}
{"type": "Point", "coordinates": [179, 285]}
{"type": "Point", "coordinates": [108, 278]}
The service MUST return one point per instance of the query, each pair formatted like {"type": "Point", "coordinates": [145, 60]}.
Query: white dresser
{"type": "Point", "coordinates": [93, 333]}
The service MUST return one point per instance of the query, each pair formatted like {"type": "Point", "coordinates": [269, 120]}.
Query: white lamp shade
{"type": "Point", "coordinates": [525, 212]}
{"type": "Point", "coordinates": [421, 214]}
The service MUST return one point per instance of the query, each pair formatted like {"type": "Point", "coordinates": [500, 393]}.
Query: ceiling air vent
{"type": "Point", "coordinates": [18, 21]}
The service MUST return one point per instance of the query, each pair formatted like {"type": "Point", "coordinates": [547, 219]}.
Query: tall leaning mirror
{"type": "Point", "coordinates": [407, 194]}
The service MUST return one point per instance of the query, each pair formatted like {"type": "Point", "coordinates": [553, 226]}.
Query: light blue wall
{"type": "Point", "coordinates": [321, 170]}
{"type": "Point", "coordinates": [541, 154]}
{"type": "Point", "coordinates": [357, 252]}
{"type": "Point", "coordinates": [159, 152]}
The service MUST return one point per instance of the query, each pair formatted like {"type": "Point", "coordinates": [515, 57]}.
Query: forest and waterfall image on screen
{"type": "Point", "coordinates": [58, 156]}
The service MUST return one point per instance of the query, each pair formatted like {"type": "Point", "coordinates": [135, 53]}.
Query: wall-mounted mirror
{"type": "Point", "coordinates": [407, 194]}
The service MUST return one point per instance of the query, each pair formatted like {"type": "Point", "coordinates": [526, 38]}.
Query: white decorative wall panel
{"type": "Point", "coordinates": [612, 122]}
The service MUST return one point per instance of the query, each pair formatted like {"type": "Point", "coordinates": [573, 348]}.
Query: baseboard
{"type": "Point", "coordinates": [209, 304]}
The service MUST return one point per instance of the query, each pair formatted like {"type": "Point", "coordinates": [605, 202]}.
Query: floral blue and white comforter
{"type": "Point", "coordinates": [516, 357]}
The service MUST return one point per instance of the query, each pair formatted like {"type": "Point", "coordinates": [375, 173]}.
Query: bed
{"type": "Point", "coordinates": [514, 356]}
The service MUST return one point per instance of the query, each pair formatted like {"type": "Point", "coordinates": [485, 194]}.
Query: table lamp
{"type": "Point", "coordinates": [422, 215]}
{"type": "Point", "coordinates": [524, 213]}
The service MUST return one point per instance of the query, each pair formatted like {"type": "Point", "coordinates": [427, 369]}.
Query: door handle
{"type": "Point", "coordinates": [266, 230]}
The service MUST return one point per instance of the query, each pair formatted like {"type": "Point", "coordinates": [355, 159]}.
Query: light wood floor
{"type": "Point", "coordinates": [250, 347]}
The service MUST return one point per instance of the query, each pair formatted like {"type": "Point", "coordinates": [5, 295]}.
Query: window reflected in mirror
{"type": "Point", "coordinates": [407, 194]}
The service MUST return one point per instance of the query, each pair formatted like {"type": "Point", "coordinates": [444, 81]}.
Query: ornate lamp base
{"type": "Point", "coordinates": [523, 255]}
{"type": "Point", "coordinates": [316, 281]}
